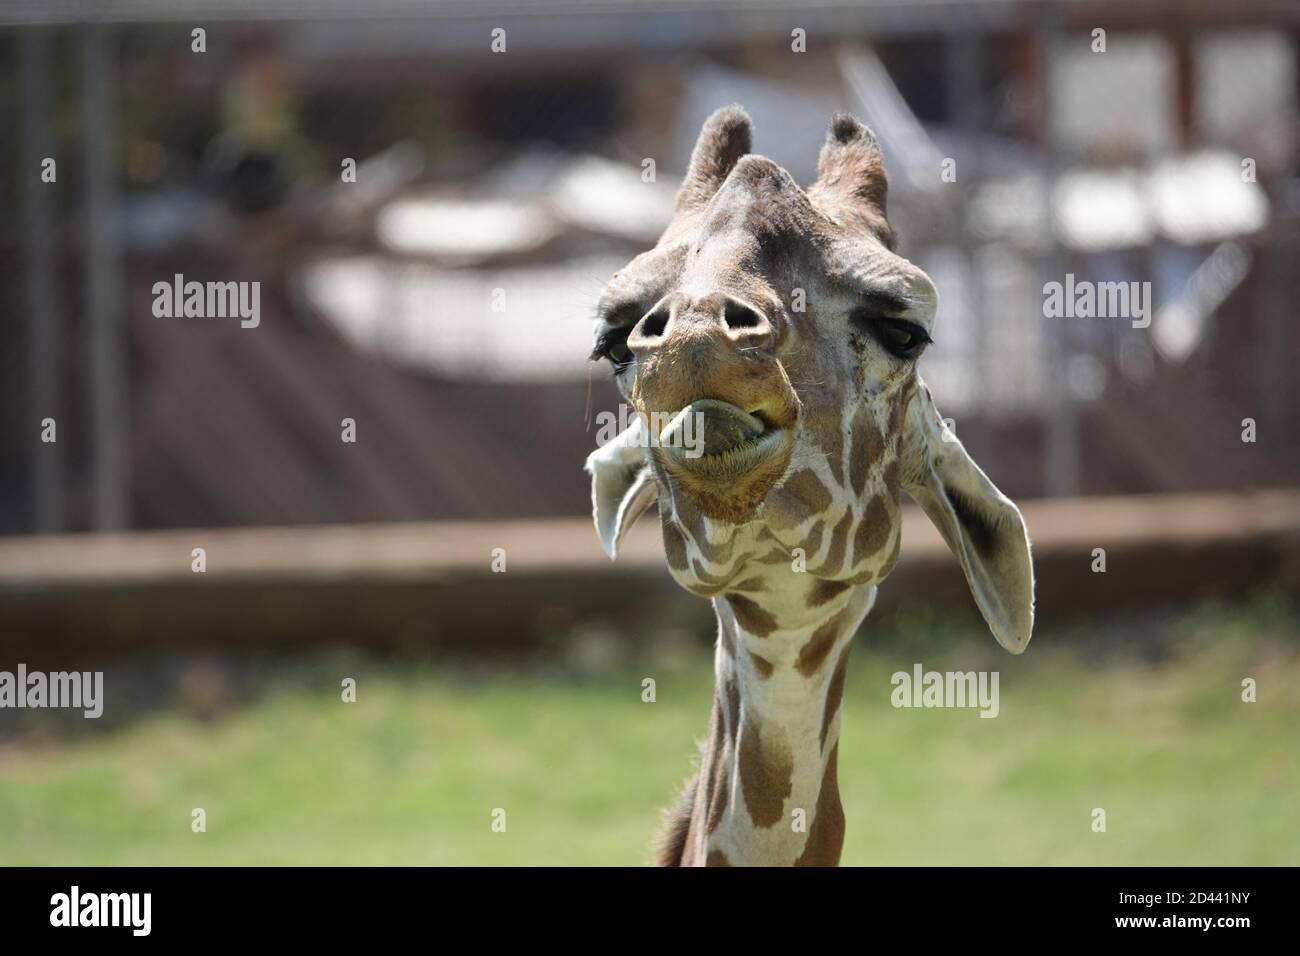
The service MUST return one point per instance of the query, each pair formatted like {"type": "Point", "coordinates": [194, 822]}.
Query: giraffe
{"type": "Point", "coordinates": [785, 322]}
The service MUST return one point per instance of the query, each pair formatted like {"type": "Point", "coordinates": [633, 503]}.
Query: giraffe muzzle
{"type": "Point", "coordinates": [724, 457]}
{"type": "Point", "coordinates": [715, 439]}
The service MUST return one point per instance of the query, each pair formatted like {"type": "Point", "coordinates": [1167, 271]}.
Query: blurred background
{"type": "Point", "coordinates": [431, 194]}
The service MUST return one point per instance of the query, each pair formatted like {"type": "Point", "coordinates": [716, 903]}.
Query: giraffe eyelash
{"type": "Point", "coordinates": [611, 344]}
{"type": "Point", "coordinates": [901, 338]}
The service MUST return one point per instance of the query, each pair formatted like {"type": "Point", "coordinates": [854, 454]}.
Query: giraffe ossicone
{"type": "Point", "coordinates": [784, 320]}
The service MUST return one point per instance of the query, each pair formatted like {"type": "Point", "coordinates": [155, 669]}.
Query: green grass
{"type": "Point", "coordinates": [411, 773]}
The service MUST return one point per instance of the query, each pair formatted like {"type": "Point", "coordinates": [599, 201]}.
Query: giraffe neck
{"type": "Point", "coordinates": [767, 793]}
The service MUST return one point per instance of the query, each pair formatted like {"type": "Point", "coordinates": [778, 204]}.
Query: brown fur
{"type": "Point", "coordinates": [813, 654]}
{"type": "Point", "coordinates": [873, 530]}
{"type": "Point", "coordinates": [751, 617]}
{"type": "Point", "coordinates": [671, 845]}
{"type": "Point", "coordinates": [868, 445]}
{"type": "Point", "coordinates": [835, 693]}
{"type": "Point", "coordinates": [834, 562]}
{"type": "Point", "coordinates": [766, 766]}
{"type": "Point", "coordinates": [674, 546]}
{"type": "Point", "coordinates": [824, 591]}
{"type": "Point", "coordinates": [826, 835]}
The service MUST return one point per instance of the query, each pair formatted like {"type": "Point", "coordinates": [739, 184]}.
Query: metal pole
{"type": "Point", "coordinates": [966, 102]}
{"type": "Point", "coordinates": [43, 312]}
{"type": "Point", "coordinates": [110, 429]}
{"type": "Point", "coordinates": [1062, 473]}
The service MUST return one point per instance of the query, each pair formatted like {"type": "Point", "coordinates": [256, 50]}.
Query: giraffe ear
{"type": "Point", "coordinates": [982, 526]}
{"type": "Point", "coordinates": [851, 181]}
{"type": "Point", "coordinates": [622, 485]}
{"type": "Point", "coordinates": [725, 137]}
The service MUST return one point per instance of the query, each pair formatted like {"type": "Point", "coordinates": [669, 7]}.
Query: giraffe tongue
{"type": "Point", "coordinates": [711, 427]}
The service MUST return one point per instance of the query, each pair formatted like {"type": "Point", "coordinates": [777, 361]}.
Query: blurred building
{"type": "Point", "coordinates": [443, 300]}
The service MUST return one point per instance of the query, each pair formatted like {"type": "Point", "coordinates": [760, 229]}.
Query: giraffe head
{"type": "Point", "coordinates": [778, 330]}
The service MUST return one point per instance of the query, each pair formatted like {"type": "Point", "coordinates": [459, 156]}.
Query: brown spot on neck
{"type": "Point", "coordinates": [814, 542]}
{"type": "Point", "coordinates": [868, 445]}
{"type": "Point", "coordinates": [835, 693]}
{"type": "Point", "coordinates": [839, 541]}
{"type": "Point", "coordinates": [766, 774]}
{"type": "Point", "coordinates": [687, 513]}
{"type": "Point", "coordinates": [828, 432]}
{"type": "Point", "coordinates": [813, 654]}
{"type": "Point", "coordinates": [674, 546]}
{"type": "Point", "coordinates": [706, 799]}
{"type": "Point", "coordinates": [707, 579]}
{"type": "Point", "coordinates": [750, 616]}
{"type": "Point", "coordinates": [905, 393]}
{"type": "Point", "coordinates": [892, 476]}
{"type": "Point", "coordinates": [826, 835]}
{"type": "Point", "coordinates": [762, 665]}
{"type": "Point", "coordinates": [802, 495]}
{"type": "Point", "coordinates": [873, 530]}
{"type": "Point", "coordinates": [824, 590]}
{"type": "Point", "coordinates": [892, 560]}
{"type": "Point", "coordinates": [717, 765]}
{"type": "Point", "coordinates": [717, 858]}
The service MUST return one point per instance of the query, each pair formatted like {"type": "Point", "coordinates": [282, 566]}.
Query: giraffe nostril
{"type": "Point", "coordinates": [740, 316]}
{"type": "Point", "coordinates": [653, 325]}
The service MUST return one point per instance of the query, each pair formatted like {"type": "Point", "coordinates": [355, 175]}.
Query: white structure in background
{"type": "Point", "coordinates": [1203, 198]}
{"type": "Point", "coordinates": [1246, 92]}
{"type": "Point", "coordinates": [442, 319]}
{"type": "Point", "coordinates": [486, 283]}
{"type": "Point", "coordinates": [1187, 200]}
{"type": "Point", "coordinates": [498, 282]}
{"type": "Point", "coordinates": [1122, 99]}
{"type": "Point", "coordinates": [611, 198]}
{"type": "Point", "coordinates": [463, 231]}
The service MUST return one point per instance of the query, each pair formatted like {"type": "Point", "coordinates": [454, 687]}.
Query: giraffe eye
{"type": "Point", "coordinates": [612, 345]}
{"type": "Point", "coordinates": [613, 328]}
{"type": "Point", "coordinates": [899, 337]}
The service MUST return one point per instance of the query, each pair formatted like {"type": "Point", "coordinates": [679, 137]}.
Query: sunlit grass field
{"type": "Point", "coordinates": [1144, 720]}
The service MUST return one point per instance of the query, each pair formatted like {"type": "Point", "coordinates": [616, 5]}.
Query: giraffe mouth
{"type": "Point", "coordinates": [716, 442]}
